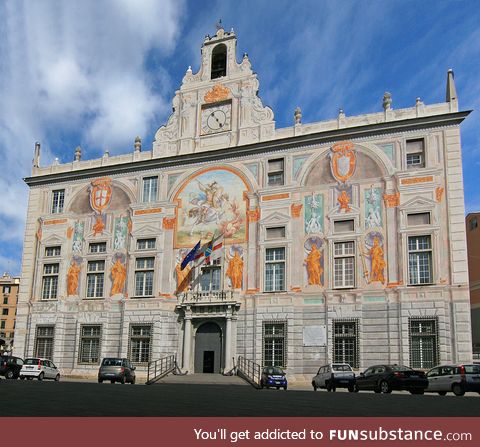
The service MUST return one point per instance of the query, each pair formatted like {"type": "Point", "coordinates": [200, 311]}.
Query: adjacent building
{"type": "Point", "coordinates": [473, 243]}
{"type": "Point", "coordinates": [341, 240]}
{"type": "Point", "coordinates": [8, 310]}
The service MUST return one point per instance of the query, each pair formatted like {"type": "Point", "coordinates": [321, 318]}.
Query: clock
{"type": "Point", "coordinates": [216, 118]}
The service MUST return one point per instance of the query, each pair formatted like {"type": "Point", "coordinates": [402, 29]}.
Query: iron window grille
{"type": "Point", "coordinates": [90, 337]}
{"type": "Point", "coordinates": [275, 343]}
{"type": "Point", "coordinates": [275, 269]}
{"type": "Point", "coordinates": [346, 342]}
{"type": "Point", "coordinates": [423, 337]}
{"type": "Point", "coordinates": [50, 281]}
{"type": "Point", "coordinates": [420, 260]}
{"type": "Point", "coordinates": [144, 269]}
{"type": "Point", "coordinates": [58, 199]}
{"type": "Point", "coordinates": [344, 265]}
{"type": "Point", "coordinates": [150, 187]}
{"type": "Point", "coordinates": [44, 339]}
{"type": "Point", "coordinates": [139, 346]}
{"type": "Point", "coordinates": [95, 279]}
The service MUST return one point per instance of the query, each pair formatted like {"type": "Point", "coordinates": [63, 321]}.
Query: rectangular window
{"type": "Point", "coordinates": [95, 279]}
{"type": "Point", "coordinates": [5, 300]}
{"type": "Point", "coordinates": [146, 244]}
{"type": "Point", "coordinates": [52, 251]}
{"type": "Point", "coordinates": [416, 219]}
{"type": "Point", "coordinates": [44, 342]}
{"type": "Point", "coordinates": [345, 342]}
{"type": "Point", "coordinates": [276, 172]}
{"type": "Point", "coordinates": [420, 260]}
{"type": "Point", "coordinates": [344, 264]}
{"type": "Point", "coordinates": [97, 247]}
{"type": "Point", "coordinates": [415, 154]}
{"type": "Point", "coordinates": [275, 233]}
{"type": "Point", "coordinates": [50, 281]}
{"type": "Point", "coordinates": [275, 343]}
{"type": "Point", "coordinates": [140, 341]}
{"type": "Point", "coordinates": [90, 344]}
{"type": "Point", "coordinates": [473, 223]}
{"type": "Point", "coordinates": [275, 269]}
{"type": "Point", "coordinates": [210, 281]}
{"type": "Point", "coordinates": [5, 311]}
{"type": "Point", "coordinates": [423, 342]}
{"type": "Point", "coordinates": [2, 324]}
{"type": "Point", "coordinates": [58, 199]}
{"type": "Point", "coordinates": [6, 289]}
{"type": "Point", "coordinates": [144, 268]}
{"type": "Point", "coordinates": [150, 185]}
{"type": "Point", "coordinates": [344, 226]}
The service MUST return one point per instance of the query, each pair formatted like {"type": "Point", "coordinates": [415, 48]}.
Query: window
{"type": "Point", "coordinates": [5, 311]}
{"type": "Point", "coordinates": [344, 226]}
{"type": "Point", "coordinates": [150, 185]}
{"type": "Point", "coordinates": [52, 251]}
{"type": "Point", "coordinates": [275, 233]}
{"type": "Point", "coordinates": [344, 264]}
{"type": "Point", "coordinates": [44, 342]}
{"type": "Point", "coordinates": [6, 289]}
{"type": "Point", "coordinates": [274, 343]}
{"type": "Point", "coordinates": [275, 172]}
{"type": "Point", "coordinates": [97, 247]}
{"type": "Point", "coordinates": [2, 324]}
{"type": "Point", "coordinates": [416, 219]}
{"type": "Point", "coordinates": [210, 281]}
{"type": "Point", "coordinates": [5, 300]}
{"type": "Point", "coordinates": [275, 269]}
{"type": "Point", "coordinates": [219, 61]}
{"type": "Point", "coordinates": [58, 199]}
{"type": "Point", "coordinates": [473, 223]}
{"type": "Point", "coordinates": [415, 154]}
{"type": "Point", "coordinates": [95, 279]}
{"type": "Point", "coordinates": [89, 344]}
{"type": "Point", "coordinates": [146, 244]}
{"type": "Point", "coordinates": [345, 342]}
{"type": "Point", "coordinates": [144, 276]}
{"type": "Point", "coordinates": [50, 281]}
{"type": "Point", "coordinates": [419, 260]}
{"type": "Point", "coordinates": [140, 338]}
{"type": "Point", "coordinates": [423, 342]}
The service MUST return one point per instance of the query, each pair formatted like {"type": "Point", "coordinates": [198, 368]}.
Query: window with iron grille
{"type": "Point", "coordinates": [344, 264]}
{"type": "Point", "coordinates": [275, 172]}
{"type": "Point", "coordinates": [95, 279]}
{"type": "Point", "coordinates": [58, 198]}
{"type": "Point", "coordinates": [150, 186]}
{"type": "Point", "coordinates": [50, 281]}
{"type": "Point", "coordinates": [53, 251]}
{"type": "Point", "coordinates": [275, 269]}
{"type": "Point", "coordinates": [420, 260]}
{"type": "Point", "coordinates": [423, 334]}
{"type": "Point", "coordinates": [275, 343]}
{"type": "Point", "coordinates": [345, 342]}
{"type": "Point", "coordinates": [89, 351]}
{"type": "Point", "coordinates": [146, 244]}
{"type": "Point", "coordinates": [97, 247]}
{"type": "Point", "coordinates": [140, 343]}
{"type": "Point", "coordinates": [44, 342]}
{"type": "Point", "coordinates": [144, 268]}
{"type": "Point", "coordinates": [415, 154]}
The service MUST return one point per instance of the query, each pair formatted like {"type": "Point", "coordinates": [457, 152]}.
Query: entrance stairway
{"type": "Point", "coordinates": [203, 379]}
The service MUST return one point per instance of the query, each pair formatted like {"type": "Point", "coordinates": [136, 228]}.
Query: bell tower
{"type": "Point", "coordinates": [217, 107]}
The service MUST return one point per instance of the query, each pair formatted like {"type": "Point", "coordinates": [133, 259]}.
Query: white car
{"type": "Point", "coordinates": [39, 369]}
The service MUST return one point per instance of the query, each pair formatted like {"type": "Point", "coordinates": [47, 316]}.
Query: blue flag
{"type": "Point", "coordinates": [190, 256]}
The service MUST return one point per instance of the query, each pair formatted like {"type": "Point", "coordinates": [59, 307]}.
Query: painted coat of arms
{"type": "Point", "coordinates": [343, 161]}
{"type": "Point", "coordinates": [100, 194]}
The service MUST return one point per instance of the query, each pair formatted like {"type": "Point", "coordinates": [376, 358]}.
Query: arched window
{"type": "Point", "coordinates": [219, 61]}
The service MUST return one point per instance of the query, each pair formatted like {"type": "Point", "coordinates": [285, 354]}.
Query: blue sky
{"type": "Point", "coordinates": [96, 73]}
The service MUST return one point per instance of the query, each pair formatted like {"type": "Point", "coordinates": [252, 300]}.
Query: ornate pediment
{"type": "Point", "coordinates": [275, 218]}
{"type": "Point", "coordinates": [418, 203]}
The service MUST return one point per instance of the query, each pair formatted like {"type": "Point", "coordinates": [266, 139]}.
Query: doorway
{"type": "Point", "coordinates": [208, 348]}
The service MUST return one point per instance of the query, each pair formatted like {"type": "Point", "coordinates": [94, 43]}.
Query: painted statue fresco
{"type": "Point", "coordinates": [375, 255]}
{"type": "Point", "coordinates": [120, 233]}
{"type": "Point", "coordinates": [314, 262]}
{"type": "Point", "coordinates": [235, 266]}
{"type": "Point", "coordinates": [313, 212]}
{"type": "Point", "coordinates": [77, 241]}
{"type": "Point", "coordinates": [212, 203]}
{"type": "Point", "coordinates": [99, 221]}
{"type": "Point", "coordinates": [373, 207]}
{"type": "Point", "coordinates": [344, 198]}
{"type": "Point", "coordinates": [118, 274]}
{"type": "Point", "coordinates": [73, 274]}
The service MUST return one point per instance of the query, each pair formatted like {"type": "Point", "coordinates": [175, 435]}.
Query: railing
{"type": "Point", "coordinates": [160, 368]}
{"type": "Point", "coordinates": [250, 371]}
{"type": "Point", "coordinates": [207, 297]}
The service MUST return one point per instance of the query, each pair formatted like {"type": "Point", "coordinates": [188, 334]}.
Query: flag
{"type": "Point", "coordinates": [190, 256]}
{"type": "Point", "coordinates": [208, 248]}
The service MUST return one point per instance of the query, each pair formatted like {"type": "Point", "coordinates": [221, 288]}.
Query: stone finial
{"type": "Point", "coordinates": [78, 153]}
{"type": "Point", "coordinates": [418, 101]}
{"type": "Point", "coordinates": [219, 25]}
{"type": "Point", "coordinates": [451, 93]}
{"type": "Point", "coordinates": [298, 115]}
{"type": "Point", "coordinates": [106, 153]}
{"type": "Point", "coordinates": [189, 69]}
{"type": "Point", "coordinates": [138, 144]}
{"type": "Point", "coordinates": [387, 101]}
{"type": "Point", "coordinates": [56, 161]}
{"type": "Point", "coordinates": [341, 113]}
{"type": "Point", "coordinates": [36, 155]}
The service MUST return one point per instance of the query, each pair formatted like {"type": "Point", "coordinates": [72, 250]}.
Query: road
{"type": "Point", "coordinates": [75, 398]}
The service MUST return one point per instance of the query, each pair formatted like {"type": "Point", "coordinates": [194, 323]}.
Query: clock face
{"type": "Point", "coordinates": [216, 119]}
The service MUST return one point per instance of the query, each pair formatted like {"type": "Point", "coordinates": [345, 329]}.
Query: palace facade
{"type": "Point", "coordinates": [342, 240]}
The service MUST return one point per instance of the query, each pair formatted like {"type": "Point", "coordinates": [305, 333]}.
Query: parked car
{"type": "Point", "coordinates": [116, 370]}
{"type": "Point", "coordinates": [457, 379]}
{"type": "Point", "coordinates": [333, 376]}
{"type": "Point", "coordinates": [10, 366]}
{"type": "Point", "coordinates": [40, 369]}
{"type": "Point", "coordinates": [386, 378]}
{"type": "Point", "coordinates": [273, 376]}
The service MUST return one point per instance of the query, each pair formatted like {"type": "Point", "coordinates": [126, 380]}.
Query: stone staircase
{"type": "Point", "coordinates": [203, 379]}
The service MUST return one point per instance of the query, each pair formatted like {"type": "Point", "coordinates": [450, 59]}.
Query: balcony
{"type": "Point", "coordinates": [210, 303]}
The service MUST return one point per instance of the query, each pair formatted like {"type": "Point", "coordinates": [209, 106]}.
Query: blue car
{"type": "Point", "coordinates": [273, 377]}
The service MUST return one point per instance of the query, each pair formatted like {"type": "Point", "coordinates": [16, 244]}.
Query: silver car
{"type": "Point", "coordinates": [116, 369]}
{"type": "Point", "coordinates": [333, 376]}
{"type": "Point", "coordinates": [458, 379]}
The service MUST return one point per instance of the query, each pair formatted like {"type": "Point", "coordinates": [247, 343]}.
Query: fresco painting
{"type": "Point", "coordinates": [313, 210]}
{"type": "Point", "coordinates": [373, 208]}
{"type": "Point", "coordinates": [78, 237]}
{"type": "Point", "coordinates": [120, 234]}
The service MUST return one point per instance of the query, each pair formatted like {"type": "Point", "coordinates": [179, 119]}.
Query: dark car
{"type": "Point", "coordinates": [116, 370]}
{"type": "Point", "coordinates": [273, 376]}
{"type": "Point", "coordinates": [386, 378]}
{"type": "Point", "coordinates": [10, 366]}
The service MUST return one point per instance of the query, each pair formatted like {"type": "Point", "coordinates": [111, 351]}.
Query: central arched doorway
{"type": "Point", "coordinates": [208, 348]}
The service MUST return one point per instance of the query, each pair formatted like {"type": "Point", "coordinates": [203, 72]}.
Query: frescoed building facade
{"type": "Point", "coordinates": [342, 240]}
{"type": "Point", "coordinates": [8, 311]}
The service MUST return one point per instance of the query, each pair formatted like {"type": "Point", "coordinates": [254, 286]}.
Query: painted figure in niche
{"type": "Point", "coordinates": [235, 270]}
{"type": "Point", "coordinates": [313, 214]}
{"type": "Point", "coordinates": [344, 200]}
{"type": "Point", "coordinates": [119, 275]}
{"type": "Point", "coordinates": [378, 263]}
{"type": "Point", "coordinates": [373, 216]}
{"type": "Point", "coordinates": [72, 278]}
{"type": "Point", "coordinates": [314, 268]}
{"type": "Point", "coordinates": [183, 277]}
{"type": "Point", "coordinates": [99, 226]}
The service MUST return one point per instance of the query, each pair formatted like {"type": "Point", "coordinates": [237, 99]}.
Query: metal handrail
{"type": "Point", "coordinates": [250, 371]}
{"type": "Point", "coordinates": [160, 368]}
